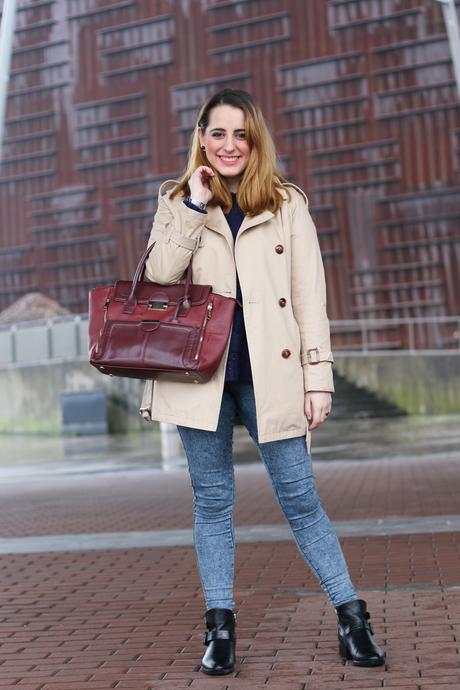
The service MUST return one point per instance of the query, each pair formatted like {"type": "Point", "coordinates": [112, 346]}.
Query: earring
{"type": "Point", "coordinates": [203, 148]}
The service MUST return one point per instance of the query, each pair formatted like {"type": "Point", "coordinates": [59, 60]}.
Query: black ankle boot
{"type": "Point", "coordinates": [355, 635]}
{"type": "Point", "coordinates": [219, 658]}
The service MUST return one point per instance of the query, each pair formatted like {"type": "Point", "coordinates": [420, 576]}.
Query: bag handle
{"type": "Point", "coordinates": [131, 302]}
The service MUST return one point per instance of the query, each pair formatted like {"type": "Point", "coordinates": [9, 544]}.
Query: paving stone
{"type": "Point", "coordinates": [133, 618]}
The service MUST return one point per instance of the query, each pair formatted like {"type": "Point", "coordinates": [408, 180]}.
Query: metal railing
{"type": "Point", "coordinates": [29, 342]}
{"type": "Point", "coordinates": [66, 337]}
{"type": "Point", "coordinates": [403, 334]}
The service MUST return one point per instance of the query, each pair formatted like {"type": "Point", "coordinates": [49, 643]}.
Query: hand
{"type": "Point", "coordinates": [317, 407]}
{"type": "Point", "coordinates": [199, 184]}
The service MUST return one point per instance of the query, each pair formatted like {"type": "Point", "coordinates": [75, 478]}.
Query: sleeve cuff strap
{"type": "Point", "coordinates": [314, 355]}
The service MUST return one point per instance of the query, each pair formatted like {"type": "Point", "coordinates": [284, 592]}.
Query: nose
{"type": "Point", "coordinates": [229, 143]}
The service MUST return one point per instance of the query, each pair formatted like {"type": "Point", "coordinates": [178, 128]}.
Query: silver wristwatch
{"type": "Point", "coordinates": [199, 204]}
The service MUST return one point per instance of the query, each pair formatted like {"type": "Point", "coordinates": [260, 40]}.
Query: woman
{"type": "Point", "coordinates": [249, 235]}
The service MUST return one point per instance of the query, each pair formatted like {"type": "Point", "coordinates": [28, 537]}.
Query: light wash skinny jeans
{"type": "Point", "coordinates": [209, 455]}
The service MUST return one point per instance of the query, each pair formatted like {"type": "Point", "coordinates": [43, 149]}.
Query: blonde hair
{"type": "Point", "coordinates": [260, 187]}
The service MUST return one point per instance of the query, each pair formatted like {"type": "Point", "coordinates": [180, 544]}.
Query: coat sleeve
{"type": "Point", "coordinates": [176, 230]}
{"type": "Point", "coordinates": [308, 295]}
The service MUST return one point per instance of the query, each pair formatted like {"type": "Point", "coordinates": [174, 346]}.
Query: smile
{"type": "Point", "coordinates": [229, 159]}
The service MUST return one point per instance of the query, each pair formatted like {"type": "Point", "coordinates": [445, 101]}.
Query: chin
{"type": "Point", "coordinates": [230, 173]}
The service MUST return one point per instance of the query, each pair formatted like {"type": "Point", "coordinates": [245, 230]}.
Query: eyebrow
{"type": "Point", "coordinates": [221, 129]}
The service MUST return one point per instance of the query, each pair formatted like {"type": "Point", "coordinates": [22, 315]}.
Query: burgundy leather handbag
{"type": "Point", "coordinates": [139, 329]}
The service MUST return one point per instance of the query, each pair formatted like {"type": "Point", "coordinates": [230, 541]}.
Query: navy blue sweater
{"type": "Point", "coordinates": [238, 364]}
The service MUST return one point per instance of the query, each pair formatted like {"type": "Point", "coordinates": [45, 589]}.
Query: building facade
{"type": "Point", "coordinates": [360, 96]}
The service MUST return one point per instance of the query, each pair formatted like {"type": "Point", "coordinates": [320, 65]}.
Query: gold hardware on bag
{"type": "Point", "coordinates": [106, 308]}
{"type": "Point", "coordinates": [157, 304]}
{"type": "Point", "coordinates": [206, 318]}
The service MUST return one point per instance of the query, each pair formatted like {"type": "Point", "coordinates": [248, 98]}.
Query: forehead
{"type": "Point", "coordinates": [226, 117]}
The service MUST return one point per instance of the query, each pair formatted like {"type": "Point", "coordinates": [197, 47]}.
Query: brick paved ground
{"type": "Point", "coordinates": [132, 618]}
{"type": "Point", "coordinates": [149, 500]}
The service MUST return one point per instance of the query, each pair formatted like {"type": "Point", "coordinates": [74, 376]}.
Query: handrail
{"type": "Point", "coordinates": [52, 340]}
{"type": "Point", "coordinates": [411, 334]}
{"type": "Point", "coordinates": [398, 320]}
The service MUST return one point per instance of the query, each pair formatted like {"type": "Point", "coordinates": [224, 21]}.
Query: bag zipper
{"type": "Point", "coordinates": [106, 307]}
{"type": "Point", "coordinates": [207, 316]}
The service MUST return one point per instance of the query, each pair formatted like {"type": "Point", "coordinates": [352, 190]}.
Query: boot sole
{"type": "Point", "coordinates": [211, 672]}
{"type": "Point", "coordinates": [368, 664]}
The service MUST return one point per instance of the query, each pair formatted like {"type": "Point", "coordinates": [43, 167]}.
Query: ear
{"type": "Point", "coordinates": [200, 136]}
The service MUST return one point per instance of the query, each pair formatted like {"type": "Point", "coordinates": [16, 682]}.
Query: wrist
{"type": "Point", "coordinates": [196, 201]}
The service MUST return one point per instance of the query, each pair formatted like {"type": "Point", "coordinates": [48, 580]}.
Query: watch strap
{"type": "Point", "coordinates": [199, 204]}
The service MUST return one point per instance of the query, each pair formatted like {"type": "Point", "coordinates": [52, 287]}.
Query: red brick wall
{"type": "Point", "coordinates": [360, 96]}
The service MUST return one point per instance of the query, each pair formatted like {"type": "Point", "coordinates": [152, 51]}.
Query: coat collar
{"type": "Point", "coordinates": [216, 221]}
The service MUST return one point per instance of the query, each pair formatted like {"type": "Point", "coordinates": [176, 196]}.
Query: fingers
{"type": "Point", "coordinates": [199, 183]}
{"type": "Point", "coordinates": [308, 408]}
{"type": "Point", "coordinates": [316, 420]}
{"type": "Point", "coordinates": [317, 408]}
{"type": "Point", "coordinates": [206, 175]}
{"type": "Point", "coordinates": [203, 173]}
{"type": "Point", "coordinates": [207, 170]}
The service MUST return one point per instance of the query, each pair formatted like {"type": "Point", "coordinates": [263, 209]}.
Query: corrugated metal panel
{"type": "Point", "coordinates": [360, 96]}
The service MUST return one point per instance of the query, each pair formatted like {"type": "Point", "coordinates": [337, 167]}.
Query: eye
{"type": "Point", "coordinates": [217, 135]}
{"type": "Point", "coordinates": [241, 135]}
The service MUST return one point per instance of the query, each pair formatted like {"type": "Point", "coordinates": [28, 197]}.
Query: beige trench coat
{"type": "Point", "coordinates": [278, 258]}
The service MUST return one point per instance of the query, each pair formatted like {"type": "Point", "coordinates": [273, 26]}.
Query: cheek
{"type": "Point", "coordinates": [245, 150]}
{"type": "Point", "coordinates": [212, 148]}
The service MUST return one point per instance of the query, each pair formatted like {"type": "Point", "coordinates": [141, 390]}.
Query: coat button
{"type": "Point", "coordinates": [279, 249]}
{"type": "Point", "coordinates": [282, 302]}
{"type": "Point", "coordinates": [286, 354]}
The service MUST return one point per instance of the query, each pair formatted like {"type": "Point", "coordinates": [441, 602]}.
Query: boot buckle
{"type": "Point", "coordinates": [212, 635]}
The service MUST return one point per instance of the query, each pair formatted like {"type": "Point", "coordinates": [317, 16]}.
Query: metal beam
{"type": "Point", "coordinates": [453, 32]}
{"type": "Point", "coordinates": [6, 48]}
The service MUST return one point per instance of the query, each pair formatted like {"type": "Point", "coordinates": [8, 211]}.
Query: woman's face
{"type": "Point", "coordinates": [225, 142]}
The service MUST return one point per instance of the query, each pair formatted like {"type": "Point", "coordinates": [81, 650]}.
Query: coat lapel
{"type": "Point", "coordinates": [252, 221]}
{"type": "Point", "coordinates": [216, 221]}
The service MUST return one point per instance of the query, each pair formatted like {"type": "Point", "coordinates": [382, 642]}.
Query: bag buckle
{"type": "Point", "coordinates": [160, 305]}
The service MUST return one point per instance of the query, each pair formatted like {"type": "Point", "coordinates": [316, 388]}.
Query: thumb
{"type": "Point", "coordinates": [308, 410]}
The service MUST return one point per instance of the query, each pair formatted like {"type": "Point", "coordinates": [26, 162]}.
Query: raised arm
{"type": "Point", "coordinates": [176, 230]}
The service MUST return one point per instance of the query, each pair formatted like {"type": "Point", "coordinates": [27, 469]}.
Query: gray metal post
{"type": "Point", "coordinates": [453, 32]}
{"type": "Point", "coordinates": [364, 338]}
{"type": "Point", "coordinates": [14, 351]}
{"type": "Point", "coordinates": [77, 322]}
{"type": "Point", "coordinates": [172, 451]}
{"type": "Point", "coordinates": [49, 339]}
{"type": "Point", "coordinates": [411, 336]}
{"type": "Point", "coordinates": [6, 48]}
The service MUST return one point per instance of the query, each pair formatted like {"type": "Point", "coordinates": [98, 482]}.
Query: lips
{"type": "Point", "coordinates": [229, 160]}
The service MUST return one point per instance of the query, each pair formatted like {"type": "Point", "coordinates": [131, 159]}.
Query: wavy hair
{"type": "Point", "coordinates": [260, 187]}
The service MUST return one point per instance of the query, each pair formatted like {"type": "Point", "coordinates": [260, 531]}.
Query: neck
{"type": "Point", "coordinates": [233, 184]}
